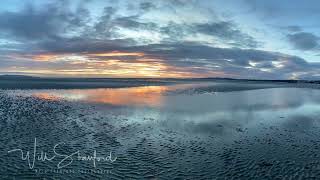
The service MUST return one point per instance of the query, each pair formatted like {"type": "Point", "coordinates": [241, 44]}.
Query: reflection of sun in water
{"type": "Point", "coordinates": [46, 96]}
{"type": "Point", "coordinates": [149, 95]}
{"type": "Point", "coordinates": [57, 96]}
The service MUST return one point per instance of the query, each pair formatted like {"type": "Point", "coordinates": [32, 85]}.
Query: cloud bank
{"type": "Point", "coordinates": [144, 39]}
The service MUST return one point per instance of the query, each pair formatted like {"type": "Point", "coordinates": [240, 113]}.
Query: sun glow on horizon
{"type": "Point", "coordinates": [103, 64]}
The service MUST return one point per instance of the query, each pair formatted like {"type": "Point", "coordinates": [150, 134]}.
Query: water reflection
{"type": "Point", "coordinates": [222, 113]}
{"type": "Point", "coordinates": [148, 95]}
{"type": "Point", "coordinates": [191, 101]}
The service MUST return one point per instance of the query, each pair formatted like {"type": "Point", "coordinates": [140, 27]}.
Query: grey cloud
{"type": "Point", "coordinates": [110, 21]}
{"type": "Point", "coordinates": [224, 30]}
{"type": "Point", "coordinates": [102, 27]}
{"type": "Point", "coordinates": [175, 31]}
{"type": "Point", "coordinates": [293, 28]}
{"type": "Point", "coordinates": [83, 45]}
{"type": "Point", "coordinates": [146, 6]}
{"type": "Point", "coordinates": [51, 20]}
{"type": "Point", "coordinates": [234, 60]}
{"type": "Point", "coordinates": [304, 40]}
{"type": "Point", "coordinates": [132, 22]}
{"type": "Point", "coordinates": [58, 20]}
{"type": "Point", "coordinates": [227, 31]}
{"type": "Point", "coordinates": [198, 51]}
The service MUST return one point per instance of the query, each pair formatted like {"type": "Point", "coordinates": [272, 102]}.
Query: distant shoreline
{"type": "Point", "coordinates": [29, 82]}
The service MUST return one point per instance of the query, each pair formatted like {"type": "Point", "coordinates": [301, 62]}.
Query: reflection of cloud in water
{"type": "Point", "coordinates": [253, 100]}
{"type": "Point", "coordinates": [153, 96]}
{"type": "Point", "coordinates": [216, 114]}
{"type": "Point", "coordinates": [169, 98]}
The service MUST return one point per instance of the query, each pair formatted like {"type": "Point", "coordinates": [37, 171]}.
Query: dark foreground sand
{"type": "Point", "coordinates": [257, 134]}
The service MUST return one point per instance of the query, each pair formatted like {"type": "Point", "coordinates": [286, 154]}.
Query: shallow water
{"type": "Point", "coordinates": [167, 132]}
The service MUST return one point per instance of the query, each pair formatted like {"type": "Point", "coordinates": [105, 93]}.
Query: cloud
{"type": "Point", "coordinates": [184, 57]}
{"type": "Point", "coordinates": [293, 28]}
{"type": "Point", "coordinates": [58, 20]}
{"type": "Point", "coordinates": [83, 44]}
{"type": "Point", "coordinates": [132, 22]}
{"type": "Point", "coordinates": [304, 40]}
{"type": "Point", "coordinates": [102, 27]}
{"type": "Point", "coordinates": [227, 31]}
{"type": "Point", "coordinates": [146, 6]}
{"type": "Point", "coordinates": [51, 20]}
{"type": "Point", "coordinates": [69, 39]}
{"type": "Point", "coordinates": [234, 62]}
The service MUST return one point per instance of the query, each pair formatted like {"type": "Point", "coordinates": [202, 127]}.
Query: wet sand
{"type": "Point", "coordinates": [194, 131]}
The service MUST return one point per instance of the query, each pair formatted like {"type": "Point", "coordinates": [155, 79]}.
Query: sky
{"type": "Point", "coordinates": [253, 39]}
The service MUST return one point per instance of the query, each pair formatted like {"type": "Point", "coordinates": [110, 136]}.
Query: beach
{"type": "Point", "coordinates": [195, 130]}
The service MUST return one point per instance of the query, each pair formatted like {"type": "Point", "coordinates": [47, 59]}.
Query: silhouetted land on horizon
{"type": "Point", "coordinates": [30, 82]}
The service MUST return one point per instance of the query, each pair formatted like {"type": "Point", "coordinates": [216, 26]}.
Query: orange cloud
{"type": "Point", "coordinates": [46, 57]}
{"type": "Point", "coordinates": [110, 66]}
